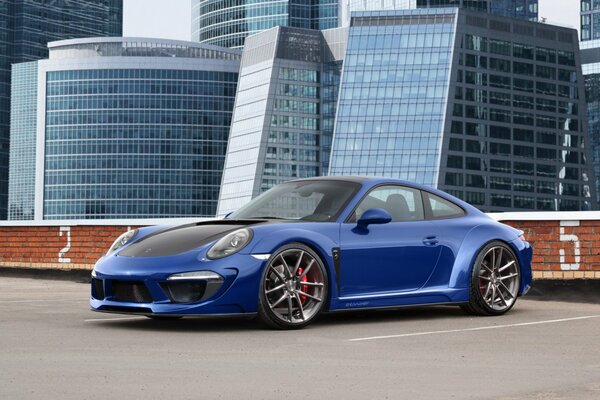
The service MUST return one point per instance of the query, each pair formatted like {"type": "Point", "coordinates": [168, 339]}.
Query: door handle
{"type": "Point", "coordinates": [430, 241]}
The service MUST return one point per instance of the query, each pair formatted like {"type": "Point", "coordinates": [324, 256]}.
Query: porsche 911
{"type": "Point", "coordinates": [315, 245]}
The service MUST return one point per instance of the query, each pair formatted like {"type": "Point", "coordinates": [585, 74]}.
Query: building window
{"type": "Point", "coordinates": [500, 47]}
{"type": "Point", "coordinates": [474, 42]}
{"type": "Point", "coordinates": [503, 166]}
{"type": "Point", "coordinates": [522, 68]}
{"type": "Point", "coordinates": [522, 51]}
{"type": "Point", "coordinates": [523, 168]}
{"type": "Point", "coordinates": [500, 200]}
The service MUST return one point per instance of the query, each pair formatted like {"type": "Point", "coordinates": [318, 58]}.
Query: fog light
{"type": "Point", "coordinates": [192, 287]}
{"type": "Point", "coordinates": [196, 275]}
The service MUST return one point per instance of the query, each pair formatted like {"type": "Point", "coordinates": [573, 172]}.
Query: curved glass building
{"type": "Point", "coordinates": [227, 23]}
{"type": "Point", "coordinates": [26, 27]}
{"type": "Point", "coordinates": [128, 128]}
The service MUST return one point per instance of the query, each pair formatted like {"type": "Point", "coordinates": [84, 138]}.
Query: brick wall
{"type": "Point", "coordinates": [563, 248]}
{"type": "Point", "coordinates": [62, 247]}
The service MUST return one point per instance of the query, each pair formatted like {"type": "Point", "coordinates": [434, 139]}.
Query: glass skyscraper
{"type": "Point", "coordinates": [21, 180]}
{"type": "Point", "coordinates": [520, 9]}
{"type": "Point", "coordinates": [590, 55]}
{"type": "Point", "coordinates": [590, 59]}
{"type": "Point", "coordinates": [127, 128]}
{"type": "Point", "coordinates": [26, 27]}
{"type": "Point", "coordinates": [284, 112]}
{"type": "Point", "coordinates": [590, 19]}
{"type": "Point", "coordinates": [227, 23]}
{"type": "Point", "coordinates": [488, 108]}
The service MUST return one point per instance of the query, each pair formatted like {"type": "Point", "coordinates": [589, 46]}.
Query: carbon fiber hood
{"type": "Point", "coordinates": [180, 239]}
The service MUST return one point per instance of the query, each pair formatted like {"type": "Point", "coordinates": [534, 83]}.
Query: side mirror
{"type": "Point", "coordinates": [374, 216]}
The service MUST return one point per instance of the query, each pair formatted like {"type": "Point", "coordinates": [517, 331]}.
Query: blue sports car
{"type": "Point", "coordinates": [319, 244]}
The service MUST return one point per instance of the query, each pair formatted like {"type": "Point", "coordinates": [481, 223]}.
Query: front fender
{"type": "Point", "coordinates": [324, 240]}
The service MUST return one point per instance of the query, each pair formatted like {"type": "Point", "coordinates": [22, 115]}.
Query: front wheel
{"type": "Point", "coordinates": [495, 281]}
{"type": "Point", "coordinates": [293, 288]}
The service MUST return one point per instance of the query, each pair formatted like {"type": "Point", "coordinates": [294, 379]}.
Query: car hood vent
{"type": "Point", "coordinates": [181, 239]}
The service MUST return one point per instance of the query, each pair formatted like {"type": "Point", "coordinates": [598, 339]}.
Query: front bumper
{"type": "Point", "coordinates": [139, 285]}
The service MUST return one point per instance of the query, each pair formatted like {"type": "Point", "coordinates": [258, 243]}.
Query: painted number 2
{"type": "Point", "coordinates": [61, 254]}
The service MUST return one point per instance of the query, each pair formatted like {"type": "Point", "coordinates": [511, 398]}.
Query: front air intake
{"type": "Point", "coordinates": [130, 292]}
{"type": "Point", "coordinates": [98, 289]}
{"type": "Point", "coordinates": [185, 292]}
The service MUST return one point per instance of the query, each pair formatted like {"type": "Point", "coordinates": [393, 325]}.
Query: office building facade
{"type": "Point", "coordinates": [488, 108]}
{"type": "Point", "coordinates": [125, 128]}
{"type": "Point", "coordinates": [25, 28]}
{"type": "Point", "coordinates": [284, 112]}
{"type": "Point", "coordinates": [227, 23]}
{"type": "Point", "coordinates": [590, 20]}
{"type": "Point", "coordinates": [520, 9]}
{"type": "Point", "coordinates": [590, 58]}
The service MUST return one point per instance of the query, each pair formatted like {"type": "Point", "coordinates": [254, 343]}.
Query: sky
{"type": "Point", "coordinates": [171, 19]}
{"type": "Point", "coordinates": [560, 12]}
{"type": "Point", "coordinates": [167, 19]}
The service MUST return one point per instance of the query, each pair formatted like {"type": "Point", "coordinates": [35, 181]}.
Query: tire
{"type": "Point", "coordinates": [293, 287]}
{"type": "Point", "coordinates": [495, 280]}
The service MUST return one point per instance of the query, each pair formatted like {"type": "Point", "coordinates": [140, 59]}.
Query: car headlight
{"type": "Point", "coordinates": [122, 240]}
{"type": "Point", "coordinates": [230, 243]}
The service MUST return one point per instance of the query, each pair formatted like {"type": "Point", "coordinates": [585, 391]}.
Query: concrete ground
{"type": "Point", "coordinates": [53, 347]}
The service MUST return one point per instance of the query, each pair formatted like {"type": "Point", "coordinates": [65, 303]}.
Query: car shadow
{"type": "Point", "coordinates": [190, 324]}
{"type": "Point", "coordinates": [326, 320]}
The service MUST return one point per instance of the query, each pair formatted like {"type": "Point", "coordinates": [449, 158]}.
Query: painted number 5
{"type": "Point", "coordinates": [572, 239]}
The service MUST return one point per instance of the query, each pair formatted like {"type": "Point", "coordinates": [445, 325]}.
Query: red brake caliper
{"type": "Point", "coordinates": [304, 288]}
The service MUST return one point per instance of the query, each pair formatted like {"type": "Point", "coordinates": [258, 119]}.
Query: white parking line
{"type": "Point", "coordinates": [481, 328]}
{"type": "Point", "coordinates": [112, 319]}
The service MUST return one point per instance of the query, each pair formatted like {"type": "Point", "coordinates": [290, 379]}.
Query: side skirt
{"type": "Point", "coordinates": [401, 299]}
{"type": "Point", "coordinates": [396, 307]}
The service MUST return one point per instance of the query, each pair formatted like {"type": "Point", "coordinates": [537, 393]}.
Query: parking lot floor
{"type": "Point", "coordinates": [53, 347]}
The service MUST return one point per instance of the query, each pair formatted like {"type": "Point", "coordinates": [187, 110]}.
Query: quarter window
{"type": "Point", "coordinates": [442, 208]}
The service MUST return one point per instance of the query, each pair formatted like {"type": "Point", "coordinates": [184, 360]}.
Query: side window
{"type": "Point", "coordinates": [403, 203]}
{"type": "Point", "coordinates": [442, 208]}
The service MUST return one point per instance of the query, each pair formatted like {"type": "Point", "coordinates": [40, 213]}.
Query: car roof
{"type": "Point", "coordinates": [365, 180]}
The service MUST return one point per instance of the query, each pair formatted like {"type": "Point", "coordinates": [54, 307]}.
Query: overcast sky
{"type": "Point", "coordinates": [171, 19]}
{"type": "Point", "coordinates": [560, 12]}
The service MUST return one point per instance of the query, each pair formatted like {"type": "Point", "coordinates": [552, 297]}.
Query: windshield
{"type": "Point", "coordinates": [313, 200]}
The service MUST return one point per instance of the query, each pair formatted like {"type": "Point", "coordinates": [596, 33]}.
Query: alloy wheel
{"type": "Point", "coordinates": [294, 286]}
{"type": "Point", "coordinates": [499, 278]}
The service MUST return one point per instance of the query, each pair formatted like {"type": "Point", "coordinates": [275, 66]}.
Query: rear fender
{"type": "Point", "coordinates": [475, 240]}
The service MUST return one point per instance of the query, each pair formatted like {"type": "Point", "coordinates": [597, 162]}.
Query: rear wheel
{"type": "Point", "coordinates": [495, 281]}
{"type": "Point", "coordinates": [293, 287]}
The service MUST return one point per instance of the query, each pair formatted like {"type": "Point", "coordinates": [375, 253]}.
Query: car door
{"type": "Point", "coordinates": [392, 257]}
